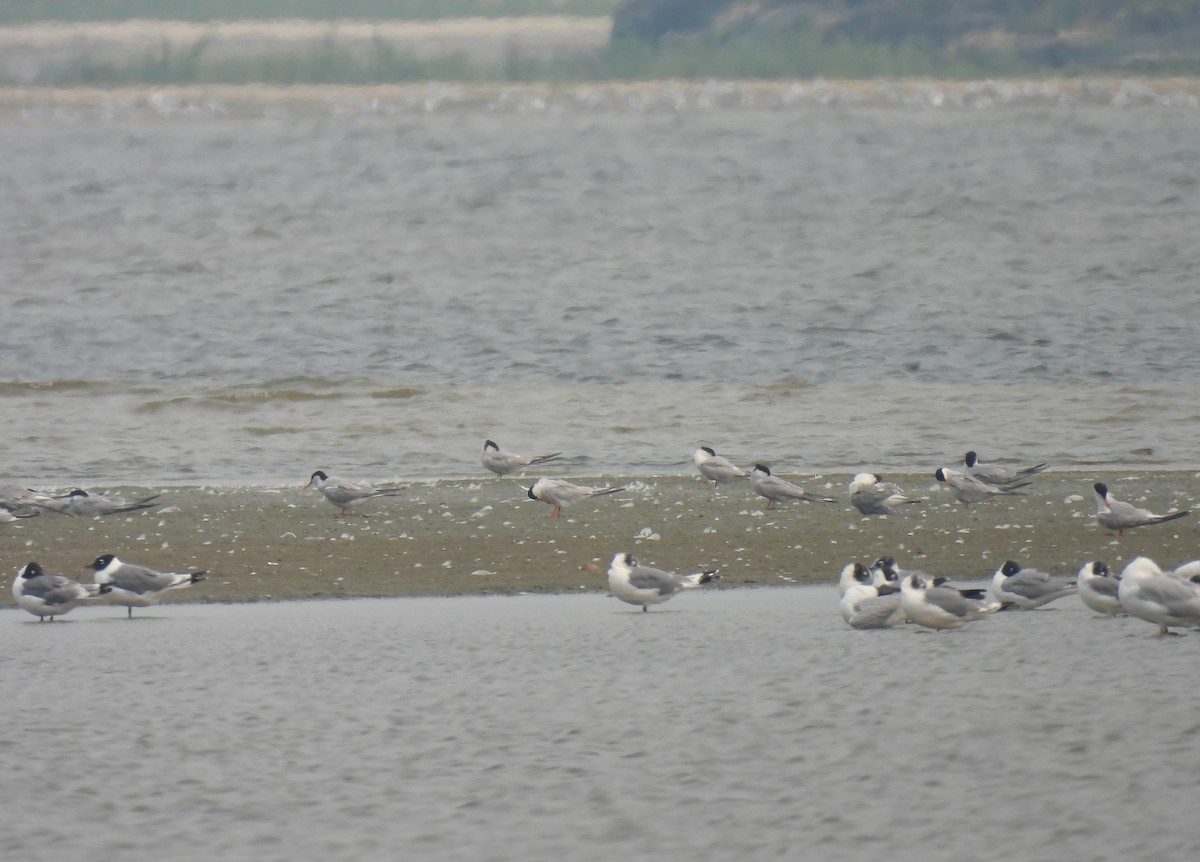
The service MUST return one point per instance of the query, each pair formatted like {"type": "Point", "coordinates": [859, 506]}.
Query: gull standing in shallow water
{"type": "Point", "coordinates": [561, 494]}
{"type": "Point", "coordinates": [1099, 589]}
{"type": "Point", "coordinates": [1153, 595]}
{"type": "Point", "coordinates": [776, 490]}
{"type": "Point", "coordinates": [644, 585]}
{"type": "Point", "coordinates": [1027, 588]}
{"type": "Point", "coordinates": [502, 463]}
{"type": "Point", "coordinates": [937, 607]}
{"type": "Point", "coordinates": [716, 468]}
{"type": "Point", "coordinates": [968, 489]}
{"type": "Point", "coordinates": [1001, 476]}
{"type": "Point", "coordinates": [1114, 514]}
{"type": "Point", "coordinates": [346, 494]}
{"type": "Point", "coordinates": [137, 586]}
{"type": "Point", "coordinates": [50, 596]}
{"type": "Point", "coordinates": [873, 496]}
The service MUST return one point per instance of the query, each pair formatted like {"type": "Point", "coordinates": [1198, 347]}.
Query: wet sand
{"type": "Point", "coordinates": [485, 537]}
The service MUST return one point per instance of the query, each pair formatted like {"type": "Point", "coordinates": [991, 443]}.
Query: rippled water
{"type": "Point", "coordinates": [211, 296]}
{"type": "Point", "coordinates": [733, 724]}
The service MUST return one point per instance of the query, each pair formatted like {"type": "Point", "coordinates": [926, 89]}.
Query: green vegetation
{"type": "Point", "coordinates": [265, 10]}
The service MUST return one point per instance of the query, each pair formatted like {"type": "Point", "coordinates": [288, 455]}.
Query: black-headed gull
{"type": "Point", "coordinates": [1028, 588]}
{"type": "Point", "coordinates": [560, 494]}
{"type": "Point", "coordinates": [137, 586]}
{"type": "Point", "coordinates": [346, 494]}
{"type": "Point", "coordinates": [1099, 588]}
{"type": "Point", "coordinates": [502, 463]}
{"type": "Point", "coordinates": [636, 584]}
{"type": "Point", "coordinates": [866, 605]}
{"type": "Point", "coordinates": [777, 490]}
{"type": "Point", "coordinates": [938, 607]}
{"type": "Point", "coordinates": [1114, 514]}
{"type": "Point", "coordinates": [45, 595]}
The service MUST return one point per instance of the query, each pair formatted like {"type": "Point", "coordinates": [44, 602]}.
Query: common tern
{"type": "Point", "coordinates": [1099, 588]}
{"type": "Point", "coordinates": [137, 586]}
{"type": "Point", "coordinates": [560, 494]}
{"type": "Point", "coordinates": [502, 463]}
{"type": "Point", "coordinates": [996, 475]}
{"type": "Point", "coordinates": [1028, 588]}
{"type": "Point", "coordinates": [776, 490]}
{"type": "Point", "coordinates": [938, 607]}
{"type": "Point", "coordinates": [871, 495]}
{"type": "Point", "coordinates": [50, 596]}
{"type": "Point", "coordinates": [22, 502]}
{"type": "Point", "coordinates": [716, 468]}
{"type": "Point", "coordinates": [968, 489]}
{"type": "Point", "coordinates": [1114, 514]}
{"type": "Point", "coordinates": [864, 604]}
{"type": "Point", "coordinates": [644, 585]}
{"type": "Point", "coordinates": [84, 505]}
{"type": "Point", "coordinates": [346, 494]}
{"type": "Point", "coordinates": [7, 517]}
{"type": "Point", "coordinates": [1151, 594]}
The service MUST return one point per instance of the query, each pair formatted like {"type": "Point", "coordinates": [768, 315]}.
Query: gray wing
{"type": "Point", "coordinates": [140, 580]}
{"type": "Point", "coordinates": [650, 578]}
{"type": "Point", "coordinates": [54, 589]}
{"type": "Point", "coordinates": [1179, 598]}
{"type": "Point", "coordinates": [875, 613]}
{"type": "Point", "coordinates": [951, 601]}
{"type": "Point", "coordinates": [1031, 584]}
{"type": "Point", "coordinates": [1104, 586]}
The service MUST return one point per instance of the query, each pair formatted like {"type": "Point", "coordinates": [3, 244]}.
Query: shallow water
{"type": "Point", "coordinates": [200, 295]}
{"type": "Point", "coordinates": [747, 724]}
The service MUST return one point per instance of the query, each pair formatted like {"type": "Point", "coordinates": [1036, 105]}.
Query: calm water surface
{"type": "Point", "coordinates": [736, 724]}
{"type": "Point", "coordinates": [200, 295]}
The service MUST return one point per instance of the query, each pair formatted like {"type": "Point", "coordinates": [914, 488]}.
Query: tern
{"type": "Point", "coordinates": [1001, 476]}
{"type": "Point", "coordinates": [346, 494]}
{"type": "Point", "coordinates": [137, 586]}
{"type": "Point", "coordinates": [776, 490]}
{"type": "Point", "coordinates": [873, 496]}
{"type": "Point", "coordinates": [502, 463]}
{"type": "Point", "coordinates": [1153, 595]}
{"type": "Point", "coordinates": [50, 596]}
{"type": "Point", "coordinates": [938, 607]}
{"type": "Point", "coordinates": [642, 585]}
{"type": "Point", "coordinates": [968, 489]}
{"type": "Point", "coordinates": [1027, 588]}
{"type": "Point", "coordinates": [716, 468]}
{"type": "Point", "coordinates": [561, 494]}
{"type": "Point", "coordinates": [84, 505]}
{"type": "Point", "coordinates": [22, 502]}
{"type": "Point", "coordinates": [1114, 514]}
{"type": "Point", "coordinates": [1099, 588]}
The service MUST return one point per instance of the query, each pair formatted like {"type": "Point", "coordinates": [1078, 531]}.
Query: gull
{"type": "Point", "coordinates": [1151, 594]}
{"type": "Point", "coordinates": [776, 490]}
{"type": "Point", "coordinates": [502, 463]}
{"type": "Point", "coordinates": [716, 468]}
{"type": "Point", "coordinates": [873, 496]}
{"type": "Point", "coordinates": [1114, 514]}
{"type": "Point", "coordinates": [887, 572]}
{"type": "Point", "coordinates": [561, 494]}
{"type": "Point", "coordinates": [1027, 588]}
{"type": "Point", "coordinates": [865, 605]}
{"type": "Point", "coordinates": [1188, 572]}
{"type": "Point", "coordinates": [346, 494]}
{"type": "Point", "coordinates": [137, 586]}
{"type": "Point", "coordinates": [50, 596]}
{"type": "Point", "coordinates": [1099, 588]}
{"type": "Point", "coordinates": [1001, 476]}
{"type": "Point", "coordinates": [968, 489]}
{"type": "Point", "coordinates": [939, 607]}
{"type": "Point", "coordinates": [84, 505]}
{"type": "Point", "coordinates": [642, 585]}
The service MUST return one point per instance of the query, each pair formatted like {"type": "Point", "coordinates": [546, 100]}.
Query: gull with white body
{"type": "Point", "coordinates": [1027, 588]}
{"type": "Point", "coordinates": [865, 604]}
{"type": "Point", "coordinates": [1158, 597]}
{"type": "Point", "coordinates": [1099, 588]}
{"type": "Point", "coordinates": [137, 586]}
{"type": "Point", "coordinates": [939, 607]}
{"type": "Point", "coordinates": [636, 584]}
{"type": "Point", "coordinates": [49, 596]}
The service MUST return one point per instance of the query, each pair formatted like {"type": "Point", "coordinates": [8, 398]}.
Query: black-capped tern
{"type": "Point", "coordinates": [968, 489]}
{"type": "Point", "coordinates": [502, 463]}
{"type": "Point", "coordinates": [84, 505]}
{"type": "Point", "coordinates": [560, 494]}
{"type": "Point", "coordinates": [1114, 514]}
{"type": "Point", "coordinates": [871, 495]}
{"type": "Point", "coordinates": [996, 475]}
{"type": "Point", "coordinates": [777, 490]}
{"type": "Point", "coordinates": [346, 494]}
{"type": "Point", "coordinates": [716, 468]}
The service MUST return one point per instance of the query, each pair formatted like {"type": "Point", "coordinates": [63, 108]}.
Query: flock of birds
{"type": "Point", "coordinates": [878, 596]}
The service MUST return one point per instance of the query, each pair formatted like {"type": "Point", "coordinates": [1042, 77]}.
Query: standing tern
{"type": "Point", "coordinates": [1027, 588]}
{"type": "Point", "coordinates": [502, 463]}
{"type": "Point", "coordinates": [137, 586]}
{"type": "Point", "coordinates": [561, 494]}
{"type": "Point", "coordinates": [1114, 514]}
{"type": "Point", "coordinates": [644, 585]}
{"type": "Point", "coordinates": [84, 505]}
{"type": "Point", "coordinates": [995, 475]}
{"type": "Point", "coordinates": [938, 607]}
{"type": "Point", "coordinates": [716, 468]}
{"type": "Point", "coordinates": [873, 496]}
{"type": "Point", "coordinates": [346, 494]}
{"type": "Point", "coordinates": [968, 489]}
{"type": "Point", "coordinates": [50, 596]}
{"type": "Point", "coordinates": [776, 490]}
{"type": "Point", "coordinates": [1099, 588]}
{"type": "Point", "coordinates": [1153, 595]}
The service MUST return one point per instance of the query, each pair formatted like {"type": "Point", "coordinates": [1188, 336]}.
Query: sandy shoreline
{"type": "Point", "coordinates": [482, 536]}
